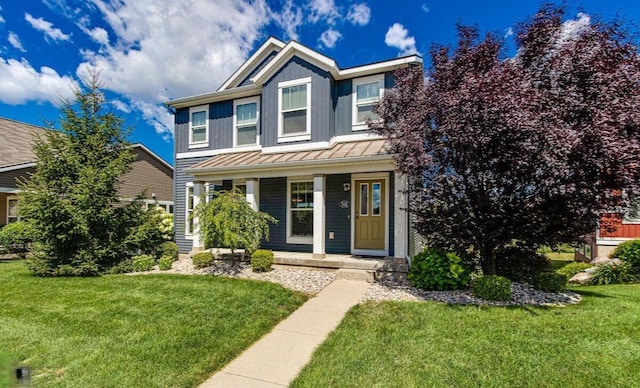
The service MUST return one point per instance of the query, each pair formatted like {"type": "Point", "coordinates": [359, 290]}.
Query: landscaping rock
{"type": "Point", "coordinates": [582, 277]}
{"type": "Point", "coordinates": [602, 260]}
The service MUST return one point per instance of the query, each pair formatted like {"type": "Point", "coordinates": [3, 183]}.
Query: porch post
{"type": "Point", "coordinates": [318, 216]}
{"type": "Point", "coordinates": [198, 243]}
{"type": "Point", "coordinates": [401, 224]}
{"type": "Point", "coordinates": [253, 193]}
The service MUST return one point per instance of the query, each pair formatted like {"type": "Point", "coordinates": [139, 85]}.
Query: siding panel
{"type": "Point", "coordinates": [337, 218]}
{"type": "Point", "coordinates": [147, 173]}
{"type": "Point", "coordinates": [181, 180]}
{"type": "Point", "coordinates": [261, 65]}
{"type": "Point", "coordinates": [221, 125]}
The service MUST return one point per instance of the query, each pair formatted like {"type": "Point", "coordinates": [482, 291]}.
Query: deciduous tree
{"type": "Point", "coordinates": [527, 149]}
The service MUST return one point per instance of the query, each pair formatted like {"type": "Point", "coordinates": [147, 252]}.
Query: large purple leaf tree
{"type": "Point", "coordinates": [529, 149]}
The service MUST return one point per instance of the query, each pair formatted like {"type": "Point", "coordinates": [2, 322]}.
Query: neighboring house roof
{"type": "Point", "coordinates": [231, 90]}
{"type": "Point", "coordinates": [16, 143]}
{"type": "Point", "coordinates": [368, 150]}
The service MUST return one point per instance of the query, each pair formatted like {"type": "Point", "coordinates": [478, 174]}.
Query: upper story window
{"type": "Point", "coordinates": [199, 126]}
{"type": "Point", "coordinates": [367, 92]}
{"type": "Point", "coordinates": [246, 115]}
{"type": "Point", "coordinates": [294, 102]}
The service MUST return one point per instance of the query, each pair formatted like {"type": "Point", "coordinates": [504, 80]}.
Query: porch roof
{"type": "Point", "coordinates": [338, 153]}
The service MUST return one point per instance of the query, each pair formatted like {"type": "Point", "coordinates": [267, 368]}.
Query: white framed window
{"type": "Point", "coordinates": [632, 216]}
{"type": "Point", "coordinates": [12, 210]}
{"type": "Point", "coordinates": [188, 209]}
{"type": "Point", "coordinates": [167, 206]}
{"type": "Point", "coordinates": [199, 126]}
{"type": "Point", "coordinates": [300, 211]}
{"type": "Point", "coordinates": [246, 114]}
{"type": "Point", "coordinates": [294, 117]}
{"type": "Point", "coordinates": [240, 185]}
{"type": "Point", "coordinates": [367, 92]}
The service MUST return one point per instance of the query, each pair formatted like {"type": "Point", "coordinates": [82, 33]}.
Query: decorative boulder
{"type": "Point", "coordinates": [582, 278]}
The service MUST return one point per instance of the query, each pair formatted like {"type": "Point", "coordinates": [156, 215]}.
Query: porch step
{"type": "Point", "coordinates": [342, 263]}
{"type": "Point", "coordinates": [355, 274]}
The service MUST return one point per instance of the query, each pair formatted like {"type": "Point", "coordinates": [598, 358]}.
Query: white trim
{"type": "Point", "coordinates": [272, 44]}
{"type": "Point", "coordinates": [237, 103]}
{"type": "Point", "coordinates": [297, 136]}
{"type": "Point", "coordinates": [188, 234]}
{"type": "Point", "coordinates": [401, 218]}
{"type": "Point", "coordinates": [253, 193]}
{"type": "Point", "coordinates": [205, 142]}
{"type": "Point", "coordinates": [306, 240]}
{"type": "Point", "coordinates": [319, 145]}
{"type": "Point", "coordinates": [357, 125]}
{"type": "Point", "coordinates": [379, 67]}
{"type": "Point", "coordinates": [612, 241]}
{"type": "Point", "coordinates": [11, 198]}
{"type": "Point", "coordinates": [208, 98]}
{"type": "Point", "coordinates": [319, 214]}
{"type": "Point", "coordinates": [294, 48]}
{"type": "Point", "coordinates": [9, 190]}
{"type": "Point", "coordinates": [17, 167]}
{"type": "Point", "coordinates": [356, 137]}
{"type": "Point", "coordinates": [383, 176]}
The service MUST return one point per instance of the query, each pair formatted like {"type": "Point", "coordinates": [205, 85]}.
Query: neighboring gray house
{"type": "Point", "coordinates": [288, 128]}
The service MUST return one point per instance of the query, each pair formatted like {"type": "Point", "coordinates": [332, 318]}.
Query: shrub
{"type": "Point", "coordinates": [202, 260]}
{"type": "Point", "coordinates": [16, 236]}
{"type": "Point", "coordinates": [491, 287]}
{"type": "Point", "coordinates": [169, 248]}
{"type": "Point", "coordinates": [520, 264]}
{"type": "Point", "coordinates": [435, 269]}
{"type": "Point", "coordinates": [612, 273]}
{"type": "Point", "coordinates": [165, 262]}
{"type": "Point", "coordinates": [629, 251]}
{"type": "Point", "coordinates": [124, 266]}
{"type": "Point", "coordinates": [573, 268]}
{"type": "Point", "coordinates": [261, 260]}
{"type": "Point", "coordinates": [549, 282]}
{"type": "Point", "coordinates": [143, 262]}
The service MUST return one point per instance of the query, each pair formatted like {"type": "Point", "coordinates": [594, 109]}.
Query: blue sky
{"type": "Point", "coordinates": [149, 51]}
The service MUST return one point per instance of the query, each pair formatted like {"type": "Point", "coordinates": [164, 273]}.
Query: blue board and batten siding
{"type": "Point", "coordinates": [337, 217]}
{"type": "Point", "coordinates": [179, 198]}
{"type": "Point", "coordinates": [256, 70]}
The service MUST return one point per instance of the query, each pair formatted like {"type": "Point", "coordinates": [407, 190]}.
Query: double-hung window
{"type": "Point", "coordinates": [367, 93]}
{"type": "Point", "coordinates": [246, 116]}
{"type": "Point", "coordinates": [12, 210]}
{"type": "Point", "coordinates": [199, 126]}
{"type": "Point", "coordinates": [300, 212]}
{"type": "Point", "coordinates": [294, 101]}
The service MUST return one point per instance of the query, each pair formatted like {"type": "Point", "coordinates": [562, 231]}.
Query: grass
{"type": "Point", "coordinates": [560, 257]}
{"type": "Point", "coordinates": [412, 344]}
{"type": "Point", "coordinates": [131, 331]}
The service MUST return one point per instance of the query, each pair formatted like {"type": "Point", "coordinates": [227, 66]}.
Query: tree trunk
{"type": "Point", "coordinates": [488, 259]}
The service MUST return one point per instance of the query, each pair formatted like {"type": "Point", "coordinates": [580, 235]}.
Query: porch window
{"type": "Point", "coordinates": [294, 100]}
{"type": "Point", "coordinates": [300, 213]}
{"type": "Point", "coordinates": [367, 93]}
{"type": "Point", "coordinates": [12, 210]}
{"type": "Point", "coordinates": [246, 121]}
{"type": "Point", "coordinates": [198, 127]}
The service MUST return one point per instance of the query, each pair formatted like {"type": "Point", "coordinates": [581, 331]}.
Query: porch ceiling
{"type": "Point", "coordinates": [338, 153]}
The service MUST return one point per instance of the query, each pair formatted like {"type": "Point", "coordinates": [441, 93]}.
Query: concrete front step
{"type": "Point", "coordinates": [342, 263]}
{"type": "Point", "coordinates": [355, 274]}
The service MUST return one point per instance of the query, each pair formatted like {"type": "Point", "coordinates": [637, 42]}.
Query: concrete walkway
{"type": "Point", "coordinates": [277, 358]}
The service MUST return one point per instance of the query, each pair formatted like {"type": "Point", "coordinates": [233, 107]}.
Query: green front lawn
{"type": "Point", "coordinates": [131, 331]}
{"type": "Point", "coordinates": [410, 344]}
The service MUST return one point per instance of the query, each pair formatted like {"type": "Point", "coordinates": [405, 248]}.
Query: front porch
{"type": "Point", "coordinates": [346, 266]}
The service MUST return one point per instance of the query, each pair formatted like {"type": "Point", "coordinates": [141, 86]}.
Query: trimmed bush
{"type": "Point", "coordinates": [491, 287]}
{"type": "Point", "coordinates": [549, 282]}
{"type": "Point", "coordinates": [629, 251]}
{"type": "Point", "coordinates": [124, 266]}
{"type": "Point", "coordinates": [16, 236]}
{"type": "Point", "coordinates": [143, 263]}
{"type": "Point", "coordinates": [202, 260]}
{"type": "Point", "coordinates": [169, 248]}
{"type": "Point", "coordinates": [571, 269]}
{"type": "Point", "coordinates": [261, 260]}
{"type": "Point", "coordinates": [520, 264]}
{"type": "Point", "coordinates": [613, 273]}
{"type": "Point", "coordinates": [164, 264]}
{"type": "Point", "coordinates": [435, 269]}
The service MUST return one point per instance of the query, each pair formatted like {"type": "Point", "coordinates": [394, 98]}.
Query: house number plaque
{"type": "Point", "coordinates": [344, 204]}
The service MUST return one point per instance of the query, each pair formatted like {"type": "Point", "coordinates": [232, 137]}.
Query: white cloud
{"type": "Point", "coordinates": [163, 50]}
{"type": "Point", "coordinates": [121, 106]}
{"type": "Point", "coordinates": [21, 83]}
{"type": "Point", "coordinates": [323, 9]}
{"type": "Point", "coordinates": [397, 36]}
{"type": "Point", "coordinates": [359, 14]}
{"type": "Point", "coordinates": [97, 34]}
{"type": "Point", "coordinates": [15, 41]}
{"type": "Point", "coordinates": [571, 29]}
{"type": "Point", "coordinates": [330, 37]}
{"type": "Point", "coordinates": [508, 32]}
{"type": "Point", "coordinates": [49, 30]}
{"type": "Point", "coordinates": [425, 8]}
{"type": "Point", "coordinates": [289, 19]}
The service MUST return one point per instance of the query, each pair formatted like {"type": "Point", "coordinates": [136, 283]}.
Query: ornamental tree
{"type": "Point", "coordinates": [72, 198]}
{"type": "Point", "coordinates": [528, 149]}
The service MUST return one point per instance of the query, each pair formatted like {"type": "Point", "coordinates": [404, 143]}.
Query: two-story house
{"type": "Point", "coordinates": [289, 129]}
